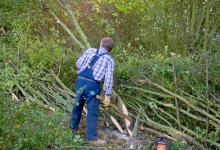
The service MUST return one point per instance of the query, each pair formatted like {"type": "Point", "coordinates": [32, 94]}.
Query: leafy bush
{"type": "Point", "coordinates": [28, 126]}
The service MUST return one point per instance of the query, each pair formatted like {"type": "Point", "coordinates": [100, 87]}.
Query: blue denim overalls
{"type": "Point", "coordinates": [86, 90]}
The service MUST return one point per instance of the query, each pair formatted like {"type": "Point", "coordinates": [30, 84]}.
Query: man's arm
{"type": "Point", "coordinates": [108, 82]}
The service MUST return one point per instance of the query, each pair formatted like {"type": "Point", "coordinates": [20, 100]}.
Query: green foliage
{"type": "Point", "coordinates": [130, 62]}
{"type": "Point", "coordinates": [146, 32]}
{"type": "Point", "coordinates": [47, 53]}
{"type": "Point", "coordinates": [176, 145]}
{"type": "Point", "coordinates": [28, 126]}
{"type": "Point", "coordinates": [25, 76]}
{"type": "Point", "coordinates": [126, 6]}
{"type": "Point", "coordinates": [14, 18]}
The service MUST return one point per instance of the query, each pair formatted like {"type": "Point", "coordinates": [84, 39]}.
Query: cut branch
{"type": "Point", "coordinates": [184, 100]}
{"type": "Point", "coordinates": [78, 28]}
{"type": "Point", "coordinates": [67, 30]}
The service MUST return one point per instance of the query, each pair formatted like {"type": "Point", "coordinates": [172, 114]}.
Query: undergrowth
{"type": "Point", "coordinates": [25, 126]}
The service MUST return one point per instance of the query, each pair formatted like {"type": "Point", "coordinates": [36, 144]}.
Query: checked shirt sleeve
{"type": "Point", "coordinates": [108, 81]}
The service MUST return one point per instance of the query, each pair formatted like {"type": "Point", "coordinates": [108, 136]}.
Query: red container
{"type": "Point", "coordinates": [161, 146]}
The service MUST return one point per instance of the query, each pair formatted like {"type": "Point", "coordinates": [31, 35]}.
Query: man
{"type": "Point", "coordinates": [94, 66]}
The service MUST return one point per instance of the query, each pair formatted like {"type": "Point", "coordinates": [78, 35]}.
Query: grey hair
{"type": "Point", "coordinates": [107, 43]}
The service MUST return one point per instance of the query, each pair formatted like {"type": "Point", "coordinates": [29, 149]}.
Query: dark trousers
{"type": "Point", "coordinates": [86, 91]}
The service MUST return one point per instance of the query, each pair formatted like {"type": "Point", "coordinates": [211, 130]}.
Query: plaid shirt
{"type": "Point", "coordinates": [102, 70]}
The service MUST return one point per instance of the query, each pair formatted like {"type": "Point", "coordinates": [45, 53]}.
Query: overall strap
{"type": "Point", "coordinates": [95, 58]}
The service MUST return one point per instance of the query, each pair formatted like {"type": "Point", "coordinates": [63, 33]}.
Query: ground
{"type": "Point", "coordinates": [117, 141]}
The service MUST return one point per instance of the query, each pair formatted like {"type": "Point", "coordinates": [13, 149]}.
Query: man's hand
{"type": "Point", "coordinates": [106, 102]}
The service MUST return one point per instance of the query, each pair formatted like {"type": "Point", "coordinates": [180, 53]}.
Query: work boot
{"type": "Point", "coordinates": [98, 142]}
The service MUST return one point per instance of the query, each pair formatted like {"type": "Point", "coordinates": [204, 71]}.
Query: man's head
{"type": "Point", "coordinates": [107, 43]}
